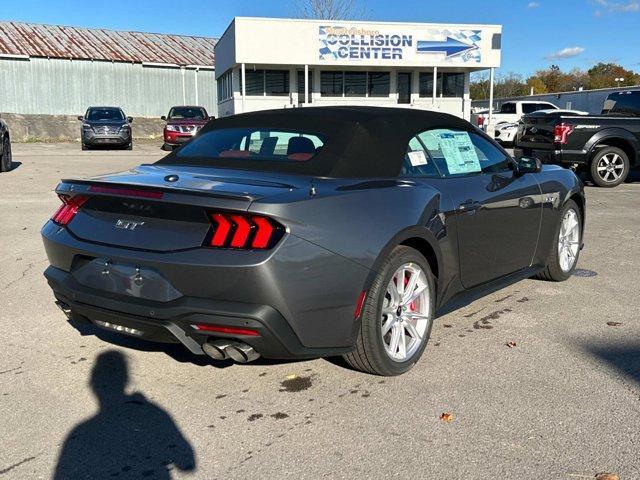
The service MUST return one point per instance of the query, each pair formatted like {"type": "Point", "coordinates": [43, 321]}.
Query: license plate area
{"type": "Point", "coordinates": [124, 279]}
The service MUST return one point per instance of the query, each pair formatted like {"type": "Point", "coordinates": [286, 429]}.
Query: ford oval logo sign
{"type": "Point", "coordinates": [171, 178]}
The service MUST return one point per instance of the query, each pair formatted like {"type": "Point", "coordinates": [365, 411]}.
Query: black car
{"type": "Point", "coordinates": [311, 232]}
{"type": "Point", "coordinates": [605, 146]}
{"type": "Point", "coordinates": [105, 126]}
{"type": "Point", "coordinates": [5, 148]}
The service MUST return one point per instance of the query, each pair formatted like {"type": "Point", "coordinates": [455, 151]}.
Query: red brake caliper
{"type": "Point", "coordinates": [412, 305]}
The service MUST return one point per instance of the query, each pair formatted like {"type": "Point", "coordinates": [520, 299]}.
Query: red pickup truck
{"type": "Point", "coordinates": [182, 124]}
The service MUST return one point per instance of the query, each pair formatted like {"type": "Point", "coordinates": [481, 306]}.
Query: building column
{"type": "Point", "coordinates": [466, 98]}
{"type": "Point", "coordinates": [306, 85]}
{"type": "Point", "coordinates": [196, 84]}
{"type": "Point", "coordinates": [435, 87]}
{"type": "Point", "coordinates": [244, 84]}
{"type": "Point", "coordinates": [489, 126]}
{"type": "Point", "coordinates": [183, 71]}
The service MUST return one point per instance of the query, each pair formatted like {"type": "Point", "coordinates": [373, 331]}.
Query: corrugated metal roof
{"type": "Point", "coordinates": [55, 41]}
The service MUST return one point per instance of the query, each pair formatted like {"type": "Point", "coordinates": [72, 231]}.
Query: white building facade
{"type": "Point", "coordinates": [285, 63]}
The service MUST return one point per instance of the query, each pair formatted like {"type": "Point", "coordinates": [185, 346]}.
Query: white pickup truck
{"type": "Point", "coordinates": [510, 112]}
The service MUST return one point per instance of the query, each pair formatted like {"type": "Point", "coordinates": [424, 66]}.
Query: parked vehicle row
{"type": "Point", "coordinates": [505, 133]}
{"type": "Point", "coordinates": [606, 146]}
{"type": "Point", "coordinates": [6, 161]}
{"type": "Point", "coordinates": [510, 112]}
{"type": "Point", "coordinates": [109, 126]}
{"type": "Point", "coordinates": [255, 237]}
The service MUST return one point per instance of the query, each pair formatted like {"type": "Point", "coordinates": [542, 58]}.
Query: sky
{"type": "Point", "coordinates": [536, 34]}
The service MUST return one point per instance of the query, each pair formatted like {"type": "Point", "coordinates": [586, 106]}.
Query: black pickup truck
{"type": "Point", "coordinates": [606, 146]}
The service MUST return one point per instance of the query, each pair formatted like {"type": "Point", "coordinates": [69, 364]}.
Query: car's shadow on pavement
{"type": "Point", "coordinates": [176, 351]}
{"type": "Point", "coordinates": [625, 358]}
{"type": "Point", "coordinates": [129, 437]}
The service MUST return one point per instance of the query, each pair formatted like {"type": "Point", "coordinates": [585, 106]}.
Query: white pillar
{"type": "Point", "coordinates": [491, 95]}
{"type": "Point", "coordinates": [466, 97]}
{"type": "Point", "coordinates": [306, 85]}
{"type": "Point", "coordinates": [435, 86]}
{"type": "Point", "coordinates": [244, 84]}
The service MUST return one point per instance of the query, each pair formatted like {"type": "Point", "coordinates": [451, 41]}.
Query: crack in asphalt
{"type": "Point", "coordinates": [11, 467]}
{"type": "Point", "coordinates": [22, 275]}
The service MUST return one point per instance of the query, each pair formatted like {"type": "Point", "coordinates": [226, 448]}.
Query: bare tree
{"type": "Point", "coordinates": [330, 9]}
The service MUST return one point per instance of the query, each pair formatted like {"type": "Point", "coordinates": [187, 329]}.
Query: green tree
{"type": "Point", "coordinates": [603, 75]}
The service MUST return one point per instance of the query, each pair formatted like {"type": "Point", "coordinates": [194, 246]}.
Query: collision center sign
{"type": "Point", "coordinates": [357, 43]}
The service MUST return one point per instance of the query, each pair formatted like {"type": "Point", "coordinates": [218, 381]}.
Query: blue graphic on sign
{"type": "Point", "coordinates": [450, 47]}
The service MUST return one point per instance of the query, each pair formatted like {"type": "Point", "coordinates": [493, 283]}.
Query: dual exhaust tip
{"type": "Point", "coordinates": [224, 349]}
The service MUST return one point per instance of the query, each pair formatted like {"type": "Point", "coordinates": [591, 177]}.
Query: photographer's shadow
{"type": "Point", "coordinates": [129, 437]}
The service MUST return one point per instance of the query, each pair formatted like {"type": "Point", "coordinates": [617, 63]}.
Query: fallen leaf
{"type": "Point", "coordinates": [511, 344]}
{"type": "Point", "coordinates": [446, 417]}
{"type": "Point", "coordinates": [607, 476]}
{"type": "Point", "coordinates": [291, 376]}
{"type": "Point", "coordinates": [614, 324]}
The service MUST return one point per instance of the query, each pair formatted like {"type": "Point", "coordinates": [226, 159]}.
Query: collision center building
{"type": "Point", "coordinates": [264, 63]}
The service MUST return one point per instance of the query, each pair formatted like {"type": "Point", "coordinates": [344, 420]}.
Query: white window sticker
{"type": "Point", "coordinates": [458, 151]}
{"type": "Point", "coordinates": [417, 158]}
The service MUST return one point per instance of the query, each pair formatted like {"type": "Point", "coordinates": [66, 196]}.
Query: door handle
{"type": "Point", "coordinates": [470, 206]}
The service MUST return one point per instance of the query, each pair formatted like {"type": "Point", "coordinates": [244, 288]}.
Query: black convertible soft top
{"type": "Point", "coordinates": [360, 141]}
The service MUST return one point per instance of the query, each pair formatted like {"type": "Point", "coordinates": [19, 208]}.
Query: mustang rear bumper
{"type": "Point", "coordinates": [300, 309]}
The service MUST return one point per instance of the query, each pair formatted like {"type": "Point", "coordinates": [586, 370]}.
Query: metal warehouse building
{"type": "Point", "coordinates": [266, 63]}
{"type": "Point", "coordinates": [47, 69]}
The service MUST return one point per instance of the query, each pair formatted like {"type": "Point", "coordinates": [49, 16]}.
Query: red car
{"type": "Point", "coordinates": [182, 124]}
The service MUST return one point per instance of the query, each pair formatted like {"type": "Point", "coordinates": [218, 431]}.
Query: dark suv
{"type": "Point", "coordinates": [182, 124]}
{"type": "Point", "coordinates": [5, 148]}
{"type": "Point", "coordinates": [105, 126]}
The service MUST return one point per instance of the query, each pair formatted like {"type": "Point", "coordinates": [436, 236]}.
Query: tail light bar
{"type": "Point", "coordinates": [561, 132]}
{"type": "Point", "coordinates": [480, 120]}
{"type": "Point", "coordinates": [68, 209]}
{"type": "Point", "coordinates": [243, 231]}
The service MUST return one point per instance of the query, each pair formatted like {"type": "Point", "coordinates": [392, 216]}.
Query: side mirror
{"type": "Point", "coordinates": [528, 165]}
{"type": "Point", "coordinates": [163, 118]}
{"type": "Point", "coordinates": [81, 118]}
{"type": "Point", "coordinates": [130, 119]}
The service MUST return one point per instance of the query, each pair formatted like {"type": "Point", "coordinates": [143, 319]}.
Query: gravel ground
{"type": "Point", "coordinates": [563, 402]}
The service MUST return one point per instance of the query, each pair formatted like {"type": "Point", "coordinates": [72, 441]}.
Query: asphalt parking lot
{"type": "Point", "coordinates": [541, 380]}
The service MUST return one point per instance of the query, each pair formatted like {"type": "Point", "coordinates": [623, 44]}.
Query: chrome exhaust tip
{"type": "Point", "coordinates": [241, 352]}
{"type": "Point", "coordinates": [65, 309]}
{"type": "Point", "coordinates": [217, 349]}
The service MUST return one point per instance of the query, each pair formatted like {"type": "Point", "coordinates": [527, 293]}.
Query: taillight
{"type": "Point", "coordinates": [480, 120]}
{"type": "Point", "coordinates": [244, 231]}
{"type": "Point", "coordinates": [229, 330]}
{"type": "Point", "coordinates": [561, 132]}
{"type": "Point", "coordinates": [68, 209]}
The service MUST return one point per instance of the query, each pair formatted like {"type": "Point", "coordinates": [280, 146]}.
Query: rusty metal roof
{"type": "Point", "coordinates": [55, 41]}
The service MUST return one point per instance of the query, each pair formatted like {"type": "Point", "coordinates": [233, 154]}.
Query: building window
{"type": "Point", "coordinates": [379, 84]}
{"type": "Point", "coordinates": [225, 86]}
{"type": "Point", "coordinates": [426, 84]}
{"type": "Point", "coordinates": [266, 82]}
{"type": "Point", "coordinates": [301, 98]}
{"type": "Point", "coordinates": [448, 84]}
{"type": "Point", "coordinates": [332, 84]}
{"type": "Point", "coordinates": [276, 82]}
{"type": "Point", "coordinates": [355, 84]}
{"type": "Point", "coordinates": [451, 84]}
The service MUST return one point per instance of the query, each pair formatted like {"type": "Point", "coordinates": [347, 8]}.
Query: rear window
{"type": "Point", "coordinates": [253, 144]}
{"type": "Point", "coordinates": [508, 108]}
{"type": "Point", "coordinates": [625, 103]}
{"type": "Point", "coordinates": [177, 113]}
{"type": "Point", "coordinates": [105, 114]}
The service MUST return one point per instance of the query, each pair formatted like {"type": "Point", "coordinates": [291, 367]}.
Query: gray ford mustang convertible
{"type": "Point", "coordinates": [311, 232]}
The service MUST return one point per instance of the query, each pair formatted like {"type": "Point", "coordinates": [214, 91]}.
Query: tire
{"type": "Point", "coordinates": [83, 146]}
{"type": "Point", "coordinates": [554, 271]}
{"type": "Point", "coordinates": [129, 147]}
{"type": "Point", "coordinates": [372, 353]}
{"type": "Point", "coordinates": [609, 167]}
{"type": "Point", "coordinates": [6, 161]}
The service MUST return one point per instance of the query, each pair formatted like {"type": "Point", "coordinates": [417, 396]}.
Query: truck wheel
{"type": "Point", "coordinates": [5, 155]}
{"type": "Point", "coordinates": [609, 167]}
{"type": "Point", "coordinates": [397, 315]}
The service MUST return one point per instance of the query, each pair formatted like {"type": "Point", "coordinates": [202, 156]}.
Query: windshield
{"type": "Point", "coordinates": [252, 144]}
{"type": "Point", "coordinates": [195, 113]}
{"type": "Point", "coordinates": [105, 113]}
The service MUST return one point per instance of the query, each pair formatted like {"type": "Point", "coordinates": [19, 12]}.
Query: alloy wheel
{"type": "Point", "coordinates": [569, 240]}
{"type": "Point", "coordinates": [610, 167]}
{"type": "Point", "coordinates": [405, 312]}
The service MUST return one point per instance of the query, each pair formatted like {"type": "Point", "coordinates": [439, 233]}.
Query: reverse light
{"type": "Point", "coordinates": [244, 231]}
{"type": "Point", "coordinates": [561, 133]}
{"type": "Point", "coordinates": [68, 209]}
{"type": "Point", "coordinates": [230, 330]}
